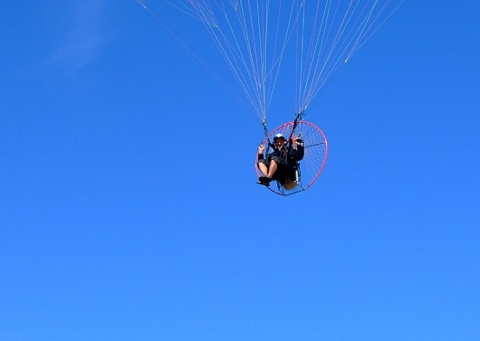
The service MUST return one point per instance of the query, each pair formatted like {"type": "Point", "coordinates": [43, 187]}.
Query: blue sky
{"type": "Point", "coordinates": [129, 208]}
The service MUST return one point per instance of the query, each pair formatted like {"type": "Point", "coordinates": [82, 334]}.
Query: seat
{"type": "Point", "coordinates": [291, 181]}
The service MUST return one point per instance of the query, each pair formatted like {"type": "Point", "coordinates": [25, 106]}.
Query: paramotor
{"type": "Point", "coordinates": [288, 43]}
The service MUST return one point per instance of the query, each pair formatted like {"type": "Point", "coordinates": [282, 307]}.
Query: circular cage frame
{"type": "Point", "coordinates": [313, 162]}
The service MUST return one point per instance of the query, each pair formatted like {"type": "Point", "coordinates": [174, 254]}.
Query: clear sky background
{"type": "Point", "coordinates": [129, 208]}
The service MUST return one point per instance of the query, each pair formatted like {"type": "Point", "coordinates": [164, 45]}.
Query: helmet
{"type": "Point", "coordinates": [279, 136]}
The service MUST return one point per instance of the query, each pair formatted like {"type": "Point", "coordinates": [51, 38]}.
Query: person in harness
{"type": "Point", "coordinates": [281, 163]}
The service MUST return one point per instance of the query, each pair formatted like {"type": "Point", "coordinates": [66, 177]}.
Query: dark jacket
{"type": "Point", "coordinates": [286, 155]}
